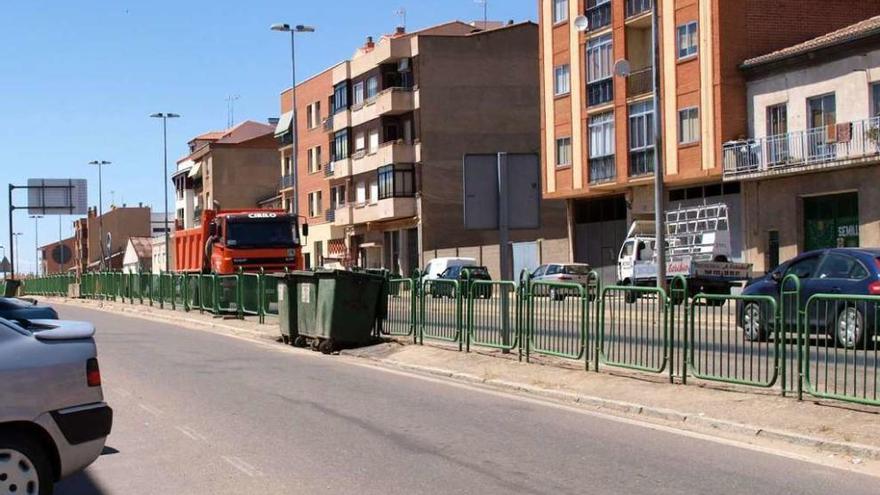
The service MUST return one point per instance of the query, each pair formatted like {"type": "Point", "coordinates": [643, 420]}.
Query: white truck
{"type": "Point", "coordinates": [697, 247]}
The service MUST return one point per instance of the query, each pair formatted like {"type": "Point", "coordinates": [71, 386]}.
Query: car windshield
{"type": "Point", "coordinates": [577, 269]}
{"type": "Point", "coordinates": [262, 233]}
{"type": "Point", "coordinates": [477, 270]}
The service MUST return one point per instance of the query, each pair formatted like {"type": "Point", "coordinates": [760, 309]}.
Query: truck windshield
{"type": "Point", "coordinates": [262, 233]}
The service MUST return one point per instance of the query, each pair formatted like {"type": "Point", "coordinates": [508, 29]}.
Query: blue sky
{"type": "Point", "coordinates": [79, 78]}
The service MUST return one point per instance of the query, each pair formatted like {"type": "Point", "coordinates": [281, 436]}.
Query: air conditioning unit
{"type": "Point", "coordinates": [403, 65]}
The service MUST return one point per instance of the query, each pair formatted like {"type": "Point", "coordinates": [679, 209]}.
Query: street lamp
{"type": "Point", "coordinates": [16, 235]}
{"type": "Point", "coordinates": [165, 116]}
{"type": "Point", "coordinates": [37, 243]}
{"type": "Point", "coordinates": [286, 28]}
{"type": "Point", "coordinates": [100, 164]}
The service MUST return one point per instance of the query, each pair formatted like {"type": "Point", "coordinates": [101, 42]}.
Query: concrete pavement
{"type": "Point", "coordinates": [198, 412]}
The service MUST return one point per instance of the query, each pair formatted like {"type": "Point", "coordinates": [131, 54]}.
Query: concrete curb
{"type": "Point", "coordinates": [698, 421]}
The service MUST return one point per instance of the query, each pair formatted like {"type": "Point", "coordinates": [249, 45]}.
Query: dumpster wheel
{"type": "Point", "coordinates": [299, 341]}
{"type": "Point", "coordinates": [327, 346]}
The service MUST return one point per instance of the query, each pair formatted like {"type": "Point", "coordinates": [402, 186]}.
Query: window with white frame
{"type": "Point", "coordinates": [875, 100]}
{"type": "Point", "coordinates": [374, 141]}
{"type": "Point", "coordinates": [359, 142]}
{"type": "Point", "coordinates": [687, 40]}
{"type": "Point", "coordinates": [601, 135]}
{"type": "Point", "coordinates": [563, 152]}
{"type": "Point", "coordinates": [688, 125]}
{"type": "Point", "coordinates": [372, 87]}
{"type": "Point", "coordinates": [357, 94]}
{"type": "Point", "coordinates": [313, 114]}
{"type": "Point", "coordinates": [561, 80]}
{"type": "Point", "coordinates": [315, 204]}
{"type": "Point", "coordinates": [599, 58]}
{"type": "Point", "coordinates": [314, 157]}
{"type": "Point", "coordinates": [337, 196]}
{"type": "Point", "coordinates": [560, 10]}
{"type": "Point", "coordinates": [360, 193]}
{"type": "Point", "coordinates": [374, 191]}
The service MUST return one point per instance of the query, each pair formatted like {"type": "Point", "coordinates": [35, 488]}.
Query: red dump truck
{"type": "Point", "coordinates": [229, 240]}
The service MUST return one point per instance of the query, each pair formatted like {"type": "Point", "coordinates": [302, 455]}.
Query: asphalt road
{"type": "Point", "coordinates": [199, 413]}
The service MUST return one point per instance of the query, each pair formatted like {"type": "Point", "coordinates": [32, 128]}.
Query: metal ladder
{"type": "Point", "coordinates": [686, 228]}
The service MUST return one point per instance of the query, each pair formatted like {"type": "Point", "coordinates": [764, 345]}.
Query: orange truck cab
{"type": "Point", "coordinates": [227, 241]}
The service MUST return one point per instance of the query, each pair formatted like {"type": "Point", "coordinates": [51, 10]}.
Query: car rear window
{"type": "Point", "coordinates": [577, 269]}
{"type": "Point", "coordinates": [477, 270]}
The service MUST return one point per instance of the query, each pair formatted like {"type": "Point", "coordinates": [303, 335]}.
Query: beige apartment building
{"type": "Point", "coordinates": [597, 134]}
{"type": "Point", "coordinates": [382, 174]}
{"type": "Point", "coordinates": [810, 163]}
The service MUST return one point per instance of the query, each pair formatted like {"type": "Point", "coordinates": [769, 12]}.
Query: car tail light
{"type": "Point", "coordinates": [564, 277]}
{"type": "Point", "coordinates": [874, 288]}
{"type": "Point", "coordinates": [93, 373]}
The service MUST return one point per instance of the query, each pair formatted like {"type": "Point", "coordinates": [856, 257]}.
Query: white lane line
{"type": "Point", "coordinates": [243, 466]}
{"type": "Point", "coordinates": [152, 410]}
{"type": "Point", "coordinates": [191, 433]}
{"type": "Point", "coordinates": [121, 392]}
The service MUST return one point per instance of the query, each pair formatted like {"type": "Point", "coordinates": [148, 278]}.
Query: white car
{"type": "Point", "coordinates": [53, 419]}
{"type": "Point", "coordinates": [437, 266]}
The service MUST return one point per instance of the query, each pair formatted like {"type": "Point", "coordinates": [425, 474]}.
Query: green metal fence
{"type": "Point", "coordinates": [557, 320]}
{"type": "Point", "coordinates": [633, 329]}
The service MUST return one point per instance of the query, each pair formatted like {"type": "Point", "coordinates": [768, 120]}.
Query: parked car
{"type": "Point", "coordinates": [13, 308]}
{"type": "Point", "coordinates": [53, 419]}
{"type": "Point", "coordinates": [577, 273]}
{"type": "Point", "coordinates": [440, 289]}
{"type": "Point", "coordinates": [843, 271]}
{"type": "Point", "coordinates": [437, 266]}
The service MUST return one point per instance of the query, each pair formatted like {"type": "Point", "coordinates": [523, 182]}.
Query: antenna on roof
{"type": "Point", "coordinates": [401, 12]}
{"type": "Point", "coordinates": [230, 110]}
{"type": "Point", "coordinates": [485, 4]}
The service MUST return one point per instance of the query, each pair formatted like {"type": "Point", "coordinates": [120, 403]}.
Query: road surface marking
{"type": "Point", "coordinates": [191, 433]}
{"type": "Point", "coordinates": [242, 466]}
{"type": "Point", "coordinates": [152, 410]}
{"type": "Point", "coordinates": [121, 392]}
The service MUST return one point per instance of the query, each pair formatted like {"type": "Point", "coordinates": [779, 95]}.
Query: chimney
{"type": "Point", "coordinates": [399, 31]}
{"type": "Point", "coordinates": [369, 45]}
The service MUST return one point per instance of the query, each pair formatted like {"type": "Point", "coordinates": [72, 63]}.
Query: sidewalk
{"type": "Point", "coordinates": [745, 414]}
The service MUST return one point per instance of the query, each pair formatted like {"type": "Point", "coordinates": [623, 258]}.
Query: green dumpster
{"type": "Point", "coordinates": [297, 304]}
{"type": "Point", "coordinates": [349, 304]}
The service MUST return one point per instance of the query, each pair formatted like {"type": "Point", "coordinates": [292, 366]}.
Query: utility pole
{"type": "Point", "coordinates": [165, 116]}
{"type": "Point", "coordinates": [100, 164]}
{"type": "Point", "coordinates": [485, 4]}
{"type": "Point", "coordinates": [37, 243]}
{"type": "Point", "coordinates": [659, 193]}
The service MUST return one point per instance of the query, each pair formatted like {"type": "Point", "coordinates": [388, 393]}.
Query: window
{"type": "Point", "coordinates": [563, 152]}
{"type": "Point", "coordinates": [803, 268]}
{"type": "Point", "coordinates": [599, 58]}
{"type": "Point", "coordinates": [560, 10]}
{"type": "Point", "coordinates": [359, 142]}
{"type": "Point", "coordinates": [842, 267]}
{"type": "Point", "coordinates": [340, 145]}
{"type": "Point", "coordinates": [357, 94]}
{"type": "Point", "coordinates": [687, 40]}
{"type": "Point", "coordinates": [374, 141]}
{"type": "Point", "coordinates": [313, 114]}
{"type": "Point", "coordinates": [641, 138]}
{"type": "Point", "coordinates": [822, 115]}
{"type": "Point", "coordinates": [598, 14]}
{"type": "Point", "coordinates": [361, 193]}
{"type": "Point", "coordinates": [315, 205]}
{"type": "Point", "coordinates": [601, 146]}
{"type": "Point", "coordinates": [875, 100]}
{"type": "Point", "coordinates": [337, 197]}
{"type": "Point", "coordinates": [340, 97]}
{"type": "Point", "coordinates": [822, 111]}
{"type": "Point", "coordinates": [314, 157]}
{"type": "Point", "coordinates": [689, 125]}
{"type": "Point", "coordinates": [777, 127]}
{"type": "Point", "coordinates": [374, 191]}
{"type": "Point", "coordinates": [561, 81]}
{"type": "Point", "coordinates": [372, 87]}
{"type": "Point", "coordinates": [288, 166]}
{"type": "Point", "coordinates": [396, 181]}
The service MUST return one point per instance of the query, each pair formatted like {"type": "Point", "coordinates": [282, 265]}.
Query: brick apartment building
{"type": "Point", "coordinates": [597, 139]}
{"type": "Point", "coordinates": [234, 168]}
{"type": "Point", "coordinates": [119, 224]}
{"type": "Point", "coordinates": [58, 257]}
{"type": "Point", "coordinates": [382, 137]}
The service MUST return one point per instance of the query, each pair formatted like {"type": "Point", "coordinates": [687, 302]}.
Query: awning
{"type": "Point", "coordinates": [283, 126]}
{"type": "Point", "coordinates": [196, 171]}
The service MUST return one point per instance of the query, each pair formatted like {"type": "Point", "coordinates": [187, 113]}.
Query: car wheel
{"type": "Point", "coordinates": [753, 325]}
{"type": "Point", "coordinates": [849, 330]}
{"type": "Point", "coordinates": [24, 467]}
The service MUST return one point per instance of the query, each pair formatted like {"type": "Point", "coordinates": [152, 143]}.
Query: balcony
{"type": "Point", "coordinates": [641, 162]}
{"type": "Point", "coordinates": [840, 145]}
{"type": "Point", "coordinates": [286, 182]}
{"type": "Point", "coordinates": [602, 170]}
{"type": "Point", "coordinates": [328, 123]}
{"type": "Point", "coordinates": [388, 153]}
{"type": "Point", "coordinates": [330, 215]}
{"type": "Point", "coordinates": [338, 168]}
{"type": "Point", "coordinates": [341, 120]}
{"type": "Point", "coordinates": [600, 92]}
{"type": "Point", "coordinates": [342, 215]}
{"type": "Point", "coordinates": [384, 209]}
{"type": "Point", "coordinates": [638, 7]}
{"type": "Point", "coordinates": [391, 101]}
{"type": "Point", "coordinates": [640, 82]}
{"type": "Point", "coordinates": [599, 16]}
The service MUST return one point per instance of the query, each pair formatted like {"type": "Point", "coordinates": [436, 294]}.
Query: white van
{"type": "Point", "coordinates": [437, 266]}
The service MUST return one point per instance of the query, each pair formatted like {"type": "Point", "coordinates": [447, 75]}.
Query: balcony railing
{"type": "Point", "coordinates": [600, 92]}
{"type": "Point", "coordinates": [641, 162]}
{"type": "Point", "coordinates": [803, 150]}
{"type": "Point", "coordinates": [330, 214]}
{"type": "Point", "coordinates": [329, 169]}
{"type": "Point", "coordinates": [599, 16]}
{"type": "Point", "coordinates": [602, 169]}
{"type": "Point", "coordinates": [286, 182]}
{"type": "Point", "coordinates": [636, 7]}
{"type": "Point", "coordinates": [328, 123]}
{"type": "Point", "coordinates": [640, 82]}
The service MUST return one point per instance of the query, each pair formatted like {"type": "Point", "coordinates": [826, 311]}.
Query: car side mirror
{"type": "Point", "coordinates": [776, 276]}
{"type": "Point", "coordinates": [212, 229]}
{"type": "Point", "coordinates": [305, 230]}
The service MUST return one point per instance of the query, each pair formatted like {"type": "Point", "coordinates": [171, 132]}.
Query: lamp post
{"type": "Point", "coordinates": [286, 28]}
{"type": "Point", "coordinates": [16, 235]}
{"type": "Point", "coordinates": [37, 243]}
{"type": "Point", "coordinates": [165, 116]}
{"type": "Point", "coordinates": [100, 164]}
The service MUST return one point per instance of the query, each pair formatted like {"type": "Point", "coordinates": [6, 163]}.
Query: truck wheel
{"type": "Point", "coordinates": [24, 466]}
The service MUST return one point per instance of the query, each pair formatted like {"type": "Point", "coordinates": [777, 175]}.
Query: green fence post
{"type": "Point", "coordinates": [239, 293]}
{"type": "Point", "coordinates": [797, 326]}
{"type": "Point", "coordinates": [261, 295]}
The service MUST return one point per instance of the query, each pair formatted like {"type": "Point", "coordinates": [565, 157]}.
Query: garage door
{"type": "Point", "coordinates": [600, 228]}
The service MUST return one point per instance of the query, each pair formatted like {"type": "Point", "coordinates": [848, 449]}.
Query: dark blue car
{"type": "Point", "coordinates": [837, 271]}
{"type": "Point", "coordinates": [13, 308]}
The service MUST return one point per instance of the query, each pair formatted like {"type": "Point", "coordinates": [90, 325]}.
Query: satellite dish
{"type": "Point", "coordinates": [581, 23]}
{"type": "Point", "coordinates": [622, 68]}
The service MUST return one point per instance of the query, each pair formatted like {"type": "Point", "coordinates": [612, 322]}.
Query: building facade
{"type": "Point", "coordinates": [138, 256]}
{"type": "Point", "coordinates": [58, 257]}
{"type": "Point", "coordinates": [400, 116]}
{"type": "Point", "coordinates": [597, 127]}
{"type": "Point", "coordinates": [118, 225]}
{"type": "Point", "coordinates": [812, 150]}
{"type": "Point", "coordinates": [230, 169]}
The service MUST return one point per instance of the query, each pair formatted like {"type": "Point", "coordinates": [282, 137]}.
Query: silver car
{"type": "Point", "coordinates": [53, 419]}
{"type": "Point", "coordinates": [573, 273]}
